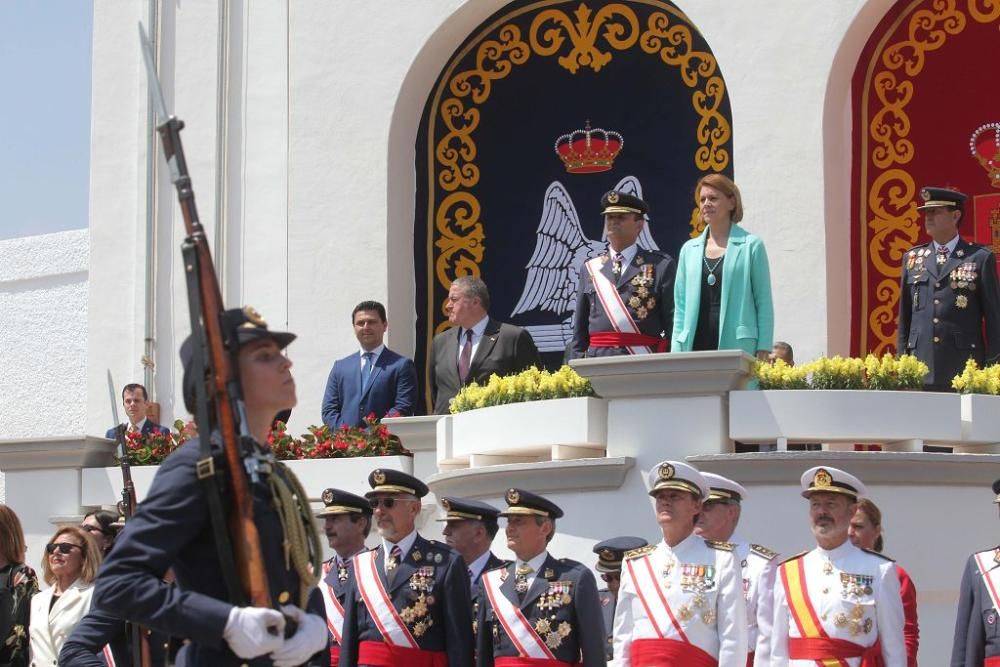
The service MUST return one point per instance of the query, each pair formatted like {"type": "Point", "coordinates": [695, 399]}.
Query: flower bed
{"type": "Point", "coordinates": [886, 373]}
{"type": "Point", "coordinates": [530, 385]}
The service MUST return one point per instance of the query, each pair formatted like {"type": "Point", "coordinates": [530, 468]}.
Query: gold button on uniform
{"type": "Point", "coordinates": [284, 597]}
{"type": "Point", "coordinates": [937, 339]}
{"type": "Point", "coordinates": [936, 320]}
{"type": "Point", "coordinates": [936, 301]}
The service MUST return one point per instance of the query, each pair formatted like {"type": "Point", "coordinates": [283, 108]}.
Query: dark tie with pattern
{"type": "Point", "coordinates": [394, 557]}
{"type": "Point", "coordinates": [465, 359]}
{"type": "Point", "coordinates": [521, 580]}
{"type": "Point", "coordinates": [618, 264]}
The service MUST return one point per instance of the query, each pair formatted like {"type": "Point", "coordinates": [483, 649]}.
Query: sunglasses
{"type": "Point", "coordinates": [62, 547]}
{"type": "Point", "coordinates": [388, 503]}
{"type": "Point", "coordinates": [92, 529]}
{"type": "Point", "coordinates": [608, 577]}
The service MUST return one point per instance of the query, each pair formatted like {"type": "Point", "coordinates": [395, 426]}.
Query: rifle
{"type": "Point", "coordinates": [139, 637]}
{"type": "Point", "coordinates": [215, 352]}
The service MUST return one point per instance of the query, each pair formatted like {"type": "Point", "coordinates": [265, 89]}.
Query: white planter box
{"type": "Point", "coordinates": [845, 416]}
{"type": "Point", "coordinates": [980, 419]}
{"type": "Point", "coordinates": [534, 430]}
{"type": "Point", "coordinates": [103, 486]}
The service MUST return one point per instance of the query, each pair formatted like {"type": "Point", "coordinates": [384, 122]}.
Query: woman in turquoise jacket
{"type": "Point", "coordinates": [722, 294]}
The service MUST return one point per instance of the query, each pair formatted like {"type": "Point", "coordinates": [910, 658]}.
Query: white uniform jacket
{"type": "Point", "coordinates": [855, 597]}
{"type": "Point", "coordinates": [759, 565]}
{"type": "Point", "coordinates": [709, 609]}
{"type": "Point", "coordinates": [48, 630]}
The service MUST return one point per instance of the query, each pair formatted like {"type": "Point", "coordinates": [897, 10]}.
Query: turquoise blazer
{"type": "Point", "coordinates": [746, 317]}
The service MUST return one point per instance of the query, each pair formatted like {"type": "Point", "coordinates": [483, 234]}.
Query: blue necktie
{"type": "Point", "coordinates": [366, 369]}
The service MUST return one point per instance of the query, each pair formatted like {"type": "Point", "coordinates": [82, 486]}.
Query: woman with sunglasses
{"type": "Point", "coordinates": [69, 567]}
{"type": "Point", "coordinates": [101, 524]}
{"type": "Point", "coordinates": [18, 584]}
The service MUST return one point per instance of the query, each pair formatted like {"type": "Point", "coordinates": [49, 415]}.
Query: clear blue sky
{"type": "Point", "coordinates": [45, 115]}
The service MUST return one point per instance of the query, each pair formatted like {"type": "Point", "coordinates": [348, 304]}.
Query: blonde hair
{"type": "Point", "coordinates": [725, 185]}
{"type": "Point", "coordinates": [91, 554]}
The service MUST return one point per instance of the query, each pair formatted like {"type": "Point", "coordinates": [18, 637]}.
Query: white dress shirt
{"type": "Point", "coordinates": [404, 545]}
{"type": "Point", "coordinates": [535, 564]}
{"type": "Point", "coordinates": [758, 588]}
{"type": "Point", "coordinates": [476, 567]}
{"type": "Point", "coordinates": [950, 245]}
{"type": "Point", "coordinates": [477, 335]}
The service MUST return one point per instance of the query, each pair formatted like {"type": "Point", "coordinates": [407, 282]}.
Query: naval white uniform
{"type": "Point", "coordinates": [702, 584]}
{"type": "Point", "coordinates": [759, 565]}
{"type": "Point", "coordinates": [855, 597]}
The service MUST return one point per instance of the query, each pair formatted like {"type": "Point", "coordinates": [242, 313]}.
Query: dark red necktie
{"type": "Point", "coordinates": [465, 359]}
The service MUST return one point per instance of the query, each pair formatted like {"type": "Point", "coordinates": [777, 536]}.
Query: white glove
{"type": "Point", "coordinates": [310, 638]}
{"type": "Point", "coordinates": [254, 631]}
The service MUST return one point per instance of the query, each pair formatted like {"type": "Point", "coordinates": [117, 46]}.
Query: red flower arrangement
{"type": "Point", "coordinates": [149, 449]}
{"type": "Point", "coordinates": [372, 439]}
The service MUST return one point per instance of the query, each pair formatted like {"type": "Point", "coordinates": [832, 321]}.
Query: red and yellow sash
{"type": "Point", "coordinates": [793, 578]}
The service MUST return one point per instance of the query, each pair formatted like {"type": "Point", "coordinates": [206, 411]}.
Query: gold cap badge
{"type": "Point", "coordinates": [379, 477]}
{"type": "Point", "coordinates": [612, 197]}
{"type": "Point", "coordinates": [607, 554]}
{"type": "Point", "coordinates": [513, 497]}
{"type": "Point", "coordinates": [446, 504]}
{"type": "Point", "coordinates": [666, 471]}
{"type": "Point", "coordinates": [253, 317]}
{"type": "Point", "coordinates": [327, 496]}
{"type": "Point", "coordinates": [822, 478]}
{"type": "Point", "coordinates": [925, 194]}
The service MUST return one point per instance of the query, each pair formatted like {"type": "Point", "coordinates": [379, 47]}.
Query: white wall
{"type": "Point", "coordinates": [43, 335]}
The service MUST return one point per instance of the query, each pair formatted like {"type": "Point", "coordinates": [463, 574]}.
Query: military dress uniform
{"type": "Point", "coordinates": [467, 509]}
{"type": "Point", "coordinates": [338, 571]}
{"type": "Point", "coordinates": [421, 603]}
{"type": "Point", "coordinates": [642, 320]}
{"type": "Point", "coordinates": [977, 623]}
{"type": "Point", "coordinates": [609, 562]}
{"type": "Point", "coordinates": [838, 605]}
{"type": "Point", "coordinates": [557, 619]}
{"type": "Point", "coordinates": [681, 606]}
{"type": "Point", "coordinates": [758, 565]}
{"type": "Point", "coordinates": [942, 307]}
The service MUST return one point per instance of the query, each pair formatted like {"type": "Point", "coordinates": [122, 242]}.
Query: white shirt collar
{"type": "Point", "coordinates": [838, 552]}
{"type": "Point", "coordinates": [477, 329]}
{"type": "Point", "coordinates": [535, 563]}
{"type": "Point", "coordinates": [628, 253]}
{"type": "Point", "coordinates": [404, 544]}
{"type": "Point", "coordinates": [476, 566]}
{"type": "Point", "coordinates": [138, 427]}
{"type": "Point", "coordinates": [377, 351]}
{"type": "Point", "coordinates": [950, 245]}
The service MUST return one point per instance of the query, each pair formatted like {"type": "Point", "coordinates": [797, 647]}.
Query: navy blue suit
{"type": "Point", "coordinates": [583, 644]}
{"type": "Point", "coordinates": [85, 646]}
{"type": "Point", "coordinates": [171, 528]}
{"type": "Point", "coordinates": [391, 387]}
{"type": "Point", "coordinates": [148, 428]}
{"type": "Point", "coordinates": [449, 614]}
{"type": "Point", "coordinates": [477, 590]}
{"type": "Point", "coordinates": [339, 582]}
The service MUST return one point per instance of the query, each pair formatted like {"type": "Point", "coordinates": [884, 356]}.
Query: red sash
{"type": "Point", "coordinates": [378, 654]}
{"type": "Point", "coordinates": [750, 659]}
{"type": "Point", "coordinates": [669, 653]}
{"type": "Point", "coordinates": [616, 339]}
{"type": "Point", "coordinates": [827, 648]}
{"type": "Point", "coordinates": [334, 656]}
{"type": "Point", "coordinates": [992, 662]}
{"type": "Point", "coordinates": [531, 662]}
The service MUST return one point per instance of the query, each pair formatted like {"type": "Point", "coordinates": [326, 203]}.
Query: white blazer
{"type": "Point", "coordinates": [48, 630]}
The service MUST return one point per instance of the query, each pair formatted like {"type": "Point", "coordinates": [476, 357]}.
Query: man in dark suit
{"type": "Point", "coordinates": [625, 297]}
{"type": "Point", "coordinates": [477, 346]}
{"type": "Point", "coordinates": [408, 603]}
{"type": "Point", "coordinates": [538, 607]}
{"type": "Point", "coordinates": [347, 520]}
{"type": "Point", "coordinates": [374, 380]}
{"type": "Point", "coordinates": [470, 528]}
{"type": "Point", "coordinates": [977, 641]}
{"type": "Point", "coordinates": [136, 403]}
{"type": "Point", "coordinates": [947, 291]}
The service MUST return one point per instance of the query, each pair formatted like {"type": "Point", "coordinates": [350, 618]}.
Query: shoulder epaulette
{"type": "Point", "coordinates": [763, 552]}
{"type": "Point", "coordinates": [796, 556]}
{"type": "Point", "coordinates": [640, 552]}
{"type": "Point", "coordinates": [501, 566]}
{"type": "Point", "coordinates": [880, 555]}
{"type": "Point", "coordinates": [722, 546]}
